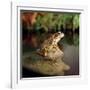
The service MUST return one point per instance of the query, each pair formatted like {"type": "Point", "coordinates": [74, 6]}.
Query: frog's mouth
{"type": "Point", "coordinates": [58, 37]}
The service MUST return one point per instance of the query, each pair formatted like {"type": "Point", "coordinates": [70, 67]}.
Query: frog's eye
{"type": "Point", "coordinates": [56, 35]}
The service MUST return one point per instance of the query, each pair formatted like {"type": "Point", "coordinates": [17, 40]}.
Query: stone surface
{"type": "Point", "coordinates": [42, 65]}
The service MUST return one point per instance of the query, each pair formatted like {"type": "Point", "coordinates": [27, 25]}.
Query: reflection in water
{"type": "Point", "coordinates": [71, 57]}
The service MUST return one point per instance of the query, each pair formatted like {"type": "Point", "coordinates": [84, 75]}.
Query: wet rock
{"type": "Point", "coordinates": [42, 65]}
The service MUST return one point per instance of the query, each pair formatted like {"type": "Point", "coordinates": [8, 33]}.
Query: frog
{"type": "Point", "coordinates": [50, 47]}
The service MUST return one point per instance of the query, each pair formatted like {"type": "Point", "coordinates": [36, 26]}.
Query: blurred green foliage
{"type": "Point", "coordinates": [56, 20]}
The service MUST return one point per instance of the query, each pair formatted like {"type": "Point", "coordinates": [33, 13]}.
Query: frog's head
{"type": "Point", "coordinates": [57, 37]}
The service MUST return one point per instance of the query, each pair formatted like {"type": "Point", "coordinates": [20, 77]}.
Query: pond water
{"type": "Point", "coordinates": [71, 57]}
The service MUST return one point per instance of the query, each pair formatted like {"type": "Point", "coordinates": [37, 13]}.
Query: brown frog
{"type": "Point", "coordinates": [49, 48]}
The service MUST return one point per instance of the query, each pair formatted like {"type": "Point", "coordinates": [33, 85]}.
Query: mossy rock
{"type": "Point", "coordinates": [39, 64]}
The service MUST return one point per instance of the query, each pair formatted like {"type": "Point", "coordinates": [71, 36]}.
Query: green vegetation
{"type": "Point", "coordinates": [56, 20]}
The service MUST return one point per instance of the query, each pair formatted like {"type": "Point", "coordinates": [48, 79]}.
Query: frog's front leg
{"type": "Point", "coordinates": [41, 52]}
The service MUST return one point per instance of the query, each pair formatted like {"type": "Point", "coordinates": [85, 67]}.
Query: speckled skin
{"type": "Point", "coordinates": [50, 45]}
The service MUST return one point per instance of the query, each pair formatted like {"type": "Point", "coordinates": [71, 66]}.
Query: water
{"type": "Point", "coordinates": [71, 57]}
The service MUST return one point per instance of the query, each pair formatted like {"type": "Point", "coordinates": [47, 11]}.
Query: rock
{"type": "Point", "coordinates": [44, 66]}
